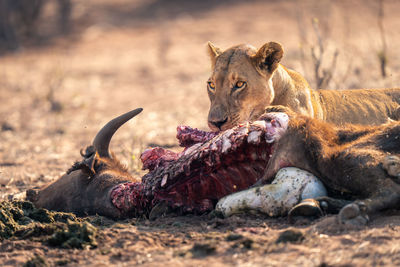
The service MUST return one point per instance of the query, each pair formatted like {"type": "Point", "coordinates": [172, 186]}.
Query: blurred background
{"type": "Point", "coordinates": [67, 67]}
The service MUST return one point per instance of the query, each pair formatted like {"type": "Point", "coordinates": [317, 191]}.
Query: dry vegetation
{"type": "Point", "coordinates": [124, 54]}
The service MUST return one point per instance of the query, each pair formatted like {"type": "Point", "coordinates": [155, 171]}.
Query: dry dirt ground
{"type": "Point", "coordinates": [152, 54]}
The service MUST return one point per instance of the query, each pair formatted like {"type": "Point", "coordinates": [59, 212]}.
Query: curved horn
{"type": "Point", "coordinates": [102, 140]}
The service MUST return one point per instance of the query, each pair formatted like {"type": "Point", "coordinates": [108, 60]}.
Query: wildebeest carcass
{"type": "Point", "coordinates": [211, 166]}
{"type": "Point", "coordinates": [358, 162]}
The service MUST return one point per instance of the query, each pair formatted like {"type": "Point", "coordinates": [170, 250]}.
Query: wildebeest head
{"type": "Point", "coordinates": [86, 186]}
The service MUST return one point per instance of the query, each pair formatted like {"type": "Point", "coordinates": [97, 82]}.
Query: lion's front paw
{"type": "Point", "coordinates": [353, 214]}
{"type": "Point", "coordinates": [277, 108]}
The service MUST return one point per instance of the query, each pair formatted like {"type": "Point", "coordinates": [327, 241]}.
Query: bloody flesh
{"type": "Point", "coordinates": [210, 167]}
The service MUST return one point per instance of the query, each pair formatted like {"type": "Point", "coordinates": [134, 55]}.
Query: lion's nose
{"type": "Point", "coordinates": [219, 124]}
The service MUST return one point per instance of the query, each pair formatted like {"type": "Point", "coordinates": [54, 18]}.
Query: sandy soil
{"type": "Point", "coordinates": [152, 54]}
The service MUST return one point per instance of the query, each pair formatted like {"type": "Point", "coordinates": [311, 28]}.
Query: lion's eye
{"type": "Point", "coordinates": [211, 86]}
{"type": "Point", "coordinates": [240, 85]}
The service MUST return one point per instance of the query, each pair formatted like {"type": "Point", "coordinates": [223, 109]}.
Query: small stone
{"type": "Point", "coordinates": [5, 126]}
{"type": "Point", "coordinates": [233, 237]}
{"type": "Point", "coordinates": [290, 236]}
{"type": "Point", "coordinates": [202, 250]}
{"type": "Point", "coordinates": [247, 243]}
{"type": "Point", "coordinates": [37, 261]}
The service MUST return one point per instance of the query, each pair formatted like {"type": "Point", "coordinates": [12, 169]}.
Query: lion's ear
{"type": "Point", "coordinates": [214, 52]}
{"type": "Point", "coordinates": [268, 57]}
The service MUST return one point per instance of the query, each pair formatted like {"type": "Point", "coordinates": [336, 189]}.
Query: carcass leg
{"type": "Point", "coordinates": [290, 186]}
{"type": "Point", "coordinates": [357, 212]}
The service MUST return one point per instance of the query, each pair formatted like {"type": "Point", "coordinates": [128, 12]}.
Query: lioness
{"type": "Point", "coordinates": [245, 80]}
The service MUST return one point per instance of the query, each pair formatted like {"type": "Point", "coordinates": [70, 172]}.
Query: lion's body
{"type": "Point", "coordinates": [359, 106]}
{"type": "Point", "coordinates": [293, 91]}
{"type": "Point", "coordinates": [269, 83]}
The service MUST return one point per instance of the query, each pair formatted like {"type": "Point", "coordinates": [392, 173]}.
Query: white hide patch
{"type": "Point", "coordinates": [290, 186]}
{"type": "Point", "coordinates": [254, 137]}
{"type": "Point", "coordinates": [243, 130]}
{"type": "Point", "coordinates": [226, 144]}
{"type": "Point", "coordinates": [283, 119]}
{"type": "Point", "coordinates": [228, 133]}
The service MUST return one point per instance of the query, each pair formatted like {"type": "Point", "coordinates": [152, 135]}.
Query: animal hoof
{"type": "Point", "coordinates": [308, 208]}
{"type": "Point", "coordinates": [353, 214]}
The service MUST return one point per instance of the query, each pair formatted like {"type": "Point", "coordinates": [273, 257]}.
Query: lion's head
{"type": "Point", "coordinates": [240, 84]}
